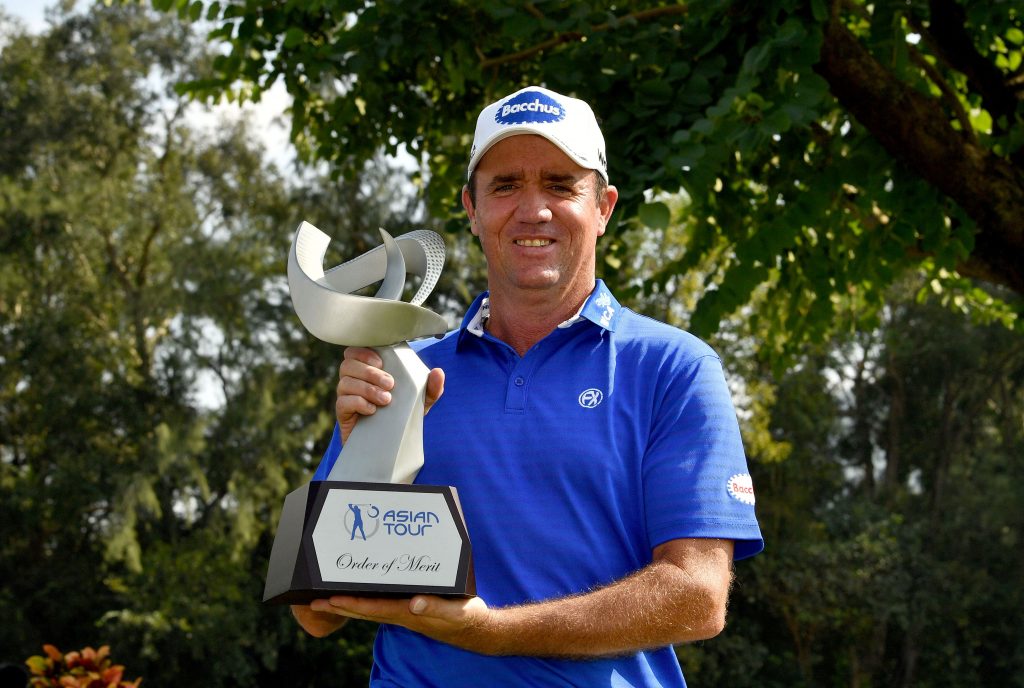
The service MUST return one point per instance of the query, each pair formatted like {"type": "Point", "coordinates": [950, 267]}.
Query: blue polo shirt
{"type": "Point", "coordinates": [612, 435]}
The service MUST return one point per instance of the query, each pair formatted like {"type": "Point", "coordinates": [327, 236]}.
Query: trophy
{"type": "Point", "coordinates": [367, 530]}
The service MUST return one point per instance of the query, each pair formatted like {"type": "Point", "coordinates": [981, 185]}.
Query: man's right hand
{"type": "Point", "coordinates": [317, 624]}
{"type": "Point", "coordinates": [363, 385]}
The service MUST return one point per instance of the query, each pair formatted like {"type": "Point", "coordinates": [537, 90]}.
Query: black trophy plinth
{"type": "Point", "coordinates": [369, 539]}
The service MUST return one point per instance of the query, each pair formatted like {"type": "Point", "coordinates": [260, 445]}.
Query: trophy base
{"type": "Point", "coordinates": [369, 539]}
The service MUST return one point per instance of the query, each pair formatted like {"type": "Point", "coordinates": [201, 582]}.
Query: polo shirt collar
{"type": "Point", "coordinates": [600, 308]}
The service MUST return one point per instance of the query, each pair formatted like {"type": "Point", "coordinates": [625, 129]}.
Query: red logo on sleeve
{"type": "Point", "coordinates": [741, 487]}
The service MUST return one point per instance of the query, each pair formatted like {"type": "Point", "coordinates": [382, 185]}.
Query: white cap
{"type": "Point", "coordinates": [568, 123]}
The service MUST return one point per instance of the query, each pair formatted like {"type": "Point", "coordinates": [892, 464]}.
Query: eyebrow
{"type": "Point", "coordinates": [556, 177]}
{"type": "Point", "coordinates": [561, 178]}
{"type": "Point", "coordinates": [499, 179]}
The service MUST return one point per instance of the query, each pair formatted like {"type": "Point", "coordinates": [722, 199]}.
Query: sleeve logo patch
{"type": "Point", "coordinates": [741, 487]}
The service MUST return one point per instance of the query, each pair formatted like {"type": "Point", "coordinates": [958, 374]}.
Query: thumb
{"type": "Point", "coordinates": [418, 605]}
{"type": "Point", "coordinates": [452, 610]}
{"type": "Point", "coordinates": [435, 388]}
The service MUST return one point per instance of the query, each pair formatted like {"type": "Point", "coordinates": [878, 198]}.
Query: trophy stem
{"type": "Point", "coordinates": [395, 430]}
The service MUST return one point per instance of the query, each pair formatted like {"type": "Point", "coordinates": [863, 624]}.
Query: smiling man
{"type": "Point", "coordinates": [596, 451]}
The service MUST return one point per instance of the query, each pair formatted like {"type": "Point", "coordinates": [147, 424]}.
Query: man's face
{"type": "Point", "coordinates": [538, 218]}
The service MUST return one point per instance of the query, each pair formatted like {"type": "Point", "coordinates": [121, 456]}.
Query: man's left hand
{"type": "Point", "coordinates": [459, 622]}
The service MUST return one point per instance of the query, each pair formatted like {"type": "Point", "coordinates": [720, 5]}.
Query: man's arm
{"type": "Point", "coordinates": [681, 596]}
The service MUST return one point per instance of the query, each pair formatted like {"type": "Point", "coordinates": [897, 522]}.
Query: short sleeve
{"type": "Point", "coordinates": [695, 475]}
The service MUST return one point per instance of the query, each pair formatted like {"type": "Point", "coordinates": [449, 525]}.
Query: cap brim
{"type": "Point", "coordinates": [522, 130]}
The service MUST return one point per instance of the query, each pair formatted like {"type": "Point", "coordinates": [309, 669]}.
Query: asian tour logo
{"type": "Point", "coordinates": [530, 107]}
{"type": "Point", "coordinates": [355, 522]}
{"type": "Point", "coordinates": [362, 521]}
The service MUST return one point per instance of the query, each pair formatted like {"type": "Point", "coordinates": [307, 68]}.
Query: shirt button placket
{"type": "Point", "coordinates": [519, 380]}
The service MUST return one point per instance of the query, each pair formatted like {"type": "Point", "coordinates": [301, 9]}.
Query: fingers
{"type": "Point", "coordinates": [364, 381]}
{"type": "Point", "coordinates": [467, 623]}
{"type": "Point", "coordinates": [438, 611]}
{"type": "Point", "coordinates": [366, 608]}
{"type": "Point", "coordinates": [362, 387]}
{"type": "Point", "coordinates": [365, 368]}
{"type": "Point", "coordinates": [317, 623]}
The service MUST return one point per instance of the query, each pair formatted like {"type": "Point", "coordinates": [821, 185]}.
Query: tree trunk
{"type": "Point", "coordinates": [915, 130]}
{"type": "Point", "coordinates": [897, 406]}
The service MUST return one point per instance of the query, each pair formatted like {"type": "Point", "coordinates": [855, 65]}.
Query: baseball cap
{"type": "Point", "coordinates": [569, 123]}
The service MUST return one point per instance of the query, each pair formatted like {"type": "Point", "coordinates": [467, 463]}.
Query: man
{"type": "Point", "coordinates": [596, 451]}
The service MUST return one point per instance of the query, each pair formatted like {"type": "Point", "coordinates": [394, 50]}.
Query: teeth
{"type": "Point", "coordinates": [533, 242]}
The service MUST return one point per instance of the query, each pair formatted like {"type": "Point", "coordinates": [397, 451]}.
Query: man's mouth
{"type": "Point", "coordinates": [532, 242]}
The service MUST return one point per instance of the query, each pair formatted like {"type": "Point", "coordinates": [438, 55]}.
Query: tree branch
{"type": "Point", "coordinates": [568, 36]}
{"type": "Point", "coordinates": [147, 245]}
{"type": "Point", "coordinates": [949, 96]}
{"type": "Point", "coordinates": [948, 37]}
{"type": "Point", "coordinates": [532, 9]}
{"type": "Point", "coordinates": [916, 130]}
{"type": "Point", "coordinates": [119, 269]}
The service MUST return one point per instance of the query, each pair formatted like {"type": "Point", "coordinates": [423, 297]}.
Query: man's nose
{"type": "Point", "coordinates": [533, 206]}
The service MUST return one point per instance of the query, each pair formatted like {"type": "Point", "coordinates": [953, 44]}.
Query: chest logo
{"type": "Point", "coordinates": [590, 398]}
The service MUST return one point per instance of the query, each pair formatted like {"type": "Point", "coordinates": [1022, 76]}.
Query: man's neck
{"type": "Point", "coordinates": [526, 318]}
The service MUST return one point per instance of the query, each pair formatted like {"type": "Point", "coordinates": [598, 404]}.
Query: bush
{"type": "Point", "coordinates": [86, 669]}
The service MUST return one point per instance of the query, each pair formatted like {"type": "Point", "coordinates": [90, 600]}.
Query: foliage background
{"type": "Point", "coordinates": [158, 398]}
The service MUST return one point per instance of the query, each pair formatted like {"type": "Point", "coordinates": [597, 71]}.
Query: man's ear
{"type": "Point", "coordinates": [606, 206]}
{"type": "Point", "coordinates": [467, 203]}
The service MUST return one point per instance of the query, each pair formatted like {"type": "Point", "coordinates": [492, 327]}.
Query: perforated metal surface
{"type": "Point", "coordinates": [433, 249]}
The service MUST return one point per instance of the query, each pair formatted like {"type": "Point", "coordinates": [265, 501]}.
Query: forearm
{"type": "Point", "coordinates": [680, 597]}
{"type": "Point", "coordinates": [657, 606]}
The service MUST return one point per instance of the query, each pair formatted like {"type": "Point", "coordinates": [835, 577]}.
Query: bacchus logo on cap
{"type": "Point", "coordinates": [530, 106]}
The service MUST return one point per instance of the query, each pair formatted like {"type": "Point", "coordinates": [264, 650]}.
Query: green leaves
{"type": "Point", "coordinates": [690, 97]}
{"type": "Point", "coordinates": [293, 36]}
{"type": "Point", "coordinates": [655, 215]}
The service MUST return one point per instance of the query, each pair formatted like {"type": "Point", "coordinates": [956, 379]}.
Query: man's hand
{"type": "Point", "coordinates": [461, 622]}
{"type": "Point", "coordinates": [317, 624]}
{"type": "Point", "coordinates": [363, 385]}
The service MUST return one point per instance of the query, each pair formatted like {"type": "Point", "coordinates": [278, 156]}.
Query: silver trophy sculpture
{"type": "Point", "coordinates": [367, 529]}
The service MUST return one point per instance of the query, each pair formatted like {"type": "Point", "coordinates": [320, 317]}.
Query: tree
{"type": "Point", "coordinates": [158, 396]}
{"type": "Point", "coordinates": [893, 570]}
{"type": "Point", "coordinates": [825, 148]}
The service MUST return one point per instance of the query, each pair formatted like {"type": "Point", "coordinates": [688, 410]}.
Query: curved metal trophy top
{"type": "Point", "coordinates": [327, 308]}
{"type": "Point", "coordinates": [386, 447]}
